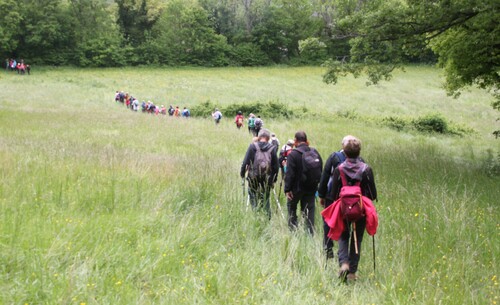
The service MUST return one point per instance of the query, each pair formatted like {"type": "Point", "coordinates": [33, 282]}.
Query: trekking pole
{"type": "Point", "coordinates": [355, 237]}
{"type": "Point", "coordinates": [278, 203]}
{"type": "Point", "coordinates": [243, 187]}
{"type": "Point", "coordinates": [373, 239]}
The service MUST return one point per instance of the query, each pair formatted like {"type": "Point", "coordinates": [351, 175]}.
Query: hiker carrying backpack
{"type": "Point", "coordinates": [304, 165]}
{"type": "Point", "coordinates": [353, 191]}
{"type": "Point", "coordinates": [261, 163]}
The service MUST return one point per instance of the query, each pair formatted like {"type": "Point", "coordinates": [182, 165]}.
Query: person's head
{"type": "Point", "coordinates": [352, 147]}
{"type": "Point", "coordinates": [273, 135]}
{"type": "Point", "coordinates": [239, 112]}
{"type": "Point", "coordinates": [264, 134]}
{"type": "Point", "coordinates": [346, 139]}
{"type": "Point", "coordinates": [300, 137]}
{"type": "Point", "coordinates": [290, 142]}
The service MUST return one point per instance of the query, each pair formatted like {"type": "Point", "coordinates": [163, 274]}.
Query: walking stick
{"type": "Point", "coordinates": [355, 237]}
{"type": "Point", "coordinates": [373, 239]}
{"type": "Point", "coordinates": [278, 203]}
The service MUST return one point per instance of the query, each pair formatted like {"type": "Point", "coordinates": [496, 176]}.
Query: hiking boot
{"type": "Point", "coordinates": [343, 272]}
{"type": "Point", "coordinates": [352, 277]}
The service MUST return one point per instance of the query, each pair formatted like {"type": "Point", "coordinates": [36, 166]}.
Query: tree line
{"type": "Point", "coordinates": [109, 33]}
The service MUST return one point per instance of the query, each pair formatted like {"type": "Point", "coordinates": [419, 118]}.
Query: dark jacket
{"type": "Point", "coordinates": [250, 156]}
{"type": "Point", "coordinates": [365, 175]}
{"type": "Point", "coordinates": [331, 164]}
{"type": "Point", "coordinates": [293, 174]}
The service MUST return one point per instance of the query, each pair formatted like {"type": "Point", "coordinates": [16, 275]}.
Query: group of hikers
{"type": "Point", "coordinates": [255, 124]}
{"type": "Point", "coordinates": [345, 186]}
{"type": "Point", "coordinates": [12, 64]}
{"type": "Point", "coordinates": [133, 104]}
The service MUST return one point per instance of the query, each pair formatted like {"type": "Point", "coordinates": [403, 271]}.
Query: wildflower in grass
{"type": "Point", "coordinates": [416, 214]}
{"type": "Point", "coordinates": [118, 283]}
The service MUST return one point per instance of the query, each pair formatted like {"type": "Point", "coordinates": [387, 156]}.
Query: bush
{"type": "Point", "coordinates": [431, 123]}
{"type": "Point", "coordinates": [248, 54]}
{"type": "Point", "coordinates": [395, 122]}
{"type": "Point", "coordinates": [271, 109]}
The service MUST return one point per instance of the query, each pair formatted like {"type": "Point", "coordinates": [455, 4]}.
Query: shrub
{"type": "Point", "coordinates": [395, 122]}
{"type": "Point", "coordinates": [431, 123]}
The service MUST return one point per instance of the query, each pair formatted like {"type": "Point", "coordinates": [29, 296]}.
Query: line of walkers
{"type": "Point", "coordinates": [345, 186]}
{"type": "Point", "coordinates": [133, 104]}
{"type": "Point", "coordinates": [13, 65]}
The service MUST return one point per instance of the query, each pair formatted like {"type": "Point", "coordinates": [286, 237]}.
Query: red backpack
{"type": "Point", "coordinates": [351, 199]}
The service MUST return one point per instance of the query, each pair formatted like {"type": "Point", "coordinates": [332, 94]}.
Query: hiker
{"type": "Point", "coordinates": [354, 170]}
{"type": "Point", "coordinates": [304, 166]}
{"type": "Point", "coordinates": [171, 110]}
{"type": "Point", "coordinates": [238, 120]}
{"type": "Point", "coordinates": [325, 185]}
{"type": "Point", "coordinates": [186, 113]}
{"type": "Point", "coordinates": [284, 152]}
{"type": "Point", "coordinates": [177, 112]}
{"type": "Point", "coordinates": [258, 124]}
{"type": "Point", "coordinates": [217, 116]}
{"type": "Point", "coordinates": [274, 140]}
{"type": "Point", "coordinates": [261, 163]}
{"type": "Point", "coordinates": [251, 124]}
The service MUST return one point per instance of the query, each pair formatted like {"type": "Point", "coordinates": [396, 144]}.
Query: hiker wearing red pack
{"type": "Point", "coordinates": [238, 120]}
{"type": "Point", "coordinates": [353, 191]}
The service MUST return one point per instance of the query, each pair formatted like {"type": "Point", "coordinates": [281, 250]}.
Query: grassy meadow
{"type": "Point", "coordinates": [101, 205]}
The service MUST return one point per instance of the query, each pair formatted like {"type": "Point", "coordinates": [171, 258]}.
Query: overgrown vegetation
{"type": "Point", "coordinates": [101, 205]}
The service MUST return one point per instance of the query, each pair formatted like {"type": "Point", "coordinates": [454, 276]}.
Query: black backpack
{"type": "Point", "coordinates": [311, 168]}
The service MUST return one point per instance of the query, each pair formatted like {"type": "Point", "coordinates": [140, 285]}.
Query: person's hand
{"type": "Point", "coordinates": [289, 195]}
{"type": "Point", "coordinates": [322, 202]}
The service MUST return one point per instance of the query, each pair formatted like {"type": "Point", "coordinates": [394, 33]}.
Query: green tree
{"type": "Point", "coordinates": [464, 34]}
{"type": "Point", "coordinates": [98, 41]}
{"type": "Point", "coordinates": [136, 18]}
{"type": "Point", "coordinates": [184, 35]}
{"type": "Point", "coordinates": [9, 26]}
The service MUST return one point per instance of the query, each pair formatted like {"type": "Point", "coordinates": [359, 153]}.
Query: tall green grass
{"type": "Point", "coordinates": [100, 205]}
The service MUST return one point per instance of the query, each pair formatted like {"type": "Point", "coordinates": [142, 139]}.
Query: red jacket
{"type": "Point", "coordinates": [334, 220]}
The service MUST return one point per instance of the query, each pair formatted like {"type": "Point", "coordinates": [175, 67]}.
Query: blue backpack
{"type": "Point", "coordinates": [340, 155]}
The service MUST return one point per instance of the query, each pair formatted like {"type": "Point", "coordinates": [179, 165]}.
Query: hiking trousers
{"type": "Point", "coordinates": [259, 193]}
{"type": "Point", "coordinates": [347, 251]}
{"type": "Point", "coordinates": [307, 208]}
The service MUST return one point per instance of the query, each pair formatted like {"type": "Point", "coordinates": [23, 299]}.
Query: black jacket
{"type": "Point", "coordinates": [293, 174]}
{"type": "Point", "coordinates": [250, 156]}
{"type": "Point", "coordinates": [331, 163]}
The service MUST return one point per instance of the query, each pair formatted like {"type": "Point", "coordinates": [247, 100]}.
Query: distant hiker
{"type": "Point", "coordinates": [117, 96]}
{"type": "Point", "coordinates": [251, 124]}
{"type": "Point", "coordinates": [325, 185]}
{"type": "Point", "coordinates": [171, 110]}
{"type": "Point", "coordinates": [304, 166]}
{"type": "Point", "coordinates": [261, 163]}
{"type": "Point", "coordinates": [258, 124]}
{"type": "Point", "coordinates": [274, 140]}
{"type": "Point", "coordinates": [284, 152]}
{"type": "Point", "coordinates": [186, 113]}
{"type": "Point", "coordinates": [352, 172]}
{"type": "Point", "coordinates": [177, 112]}
{"type": "Point", "coordinates": [238, 120]}
{"type": "Point", "coordinates": [28, 69]}
{"type": "Point", "coordinates": [163, 110]}
{"type": "Point", "coordinates": [217, 116]}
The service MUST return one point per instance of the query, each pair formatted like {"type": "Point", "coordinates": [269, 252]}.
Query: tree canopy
{"type": "Point", "coordinates": [464, 35]}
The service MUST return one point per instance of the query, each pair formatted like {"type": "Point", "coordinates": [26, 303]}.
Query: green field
{"type": "Point", "coordinates": [101, 205]}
